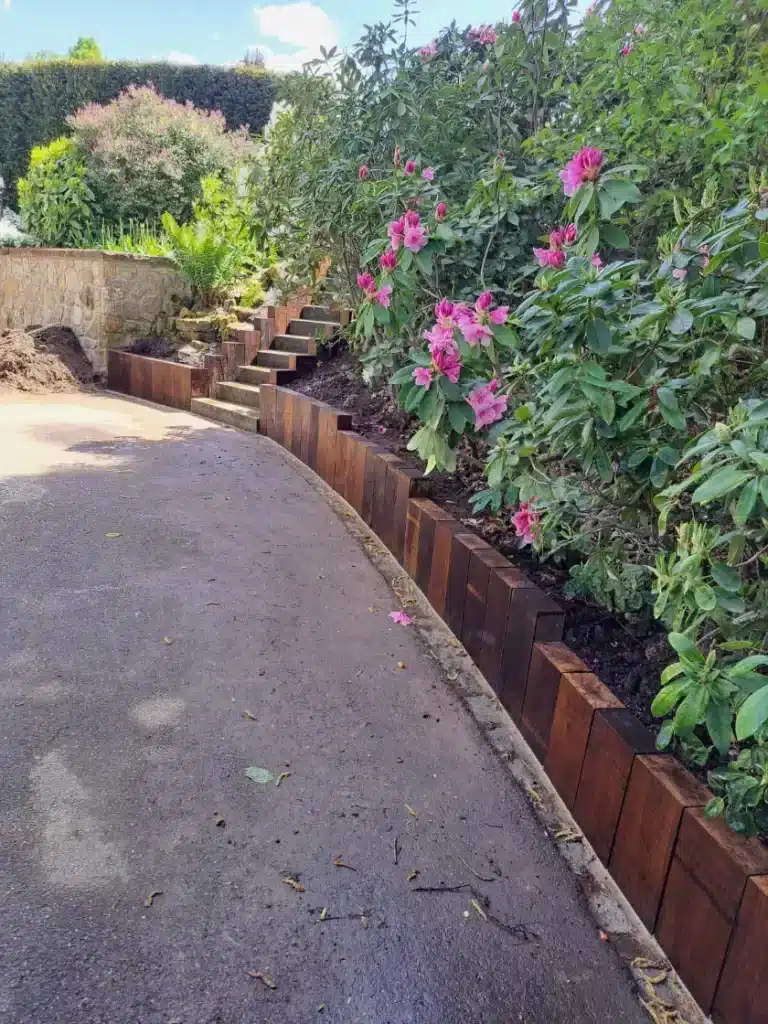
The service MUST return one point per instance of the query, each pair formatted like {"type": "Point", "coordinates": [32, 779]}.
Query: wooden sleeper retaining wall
{"type": "Point", "coordinates": [156, 380]}
{"type": "Point", "coordinates": [702, 889]}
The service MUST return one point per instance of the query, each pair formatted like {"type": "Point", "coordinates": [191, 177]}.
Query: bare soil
{"type": "Point", "coordinates": [42, 360]}
{"type": "Point", "coordinates": [628, 653]}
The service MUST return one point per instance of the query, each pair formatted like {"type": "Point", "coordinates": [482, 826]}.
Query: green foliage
{"type": "Point", "coordinates": [86, 48]}
{"type": "Point", "coordinates": [55, 199]}
{"type": "Point", "coordinates": [211, 262]}
{"type": "Point", "coordinates": [36, 98]}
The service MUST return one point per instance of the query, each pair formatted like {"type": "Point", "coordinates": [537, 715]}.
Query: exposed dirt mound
{"type": "Point", "coordinates": [45, 359]}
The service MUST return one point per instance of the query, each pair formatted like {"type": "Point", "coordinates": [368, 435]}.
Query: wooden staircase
{"type": "Point", "coordinates": [236, 402]}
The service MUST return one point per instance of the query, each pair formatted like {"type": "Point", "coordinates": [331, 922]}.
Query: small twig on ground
{"type": "Point", "coordinates": [339, 863]}
{"type": "Point", "coordinates": [263, 978]}
{"type": "Point", "coordinates": [483, 878]}
{"type": "Point", "coordinates": [396, 850]}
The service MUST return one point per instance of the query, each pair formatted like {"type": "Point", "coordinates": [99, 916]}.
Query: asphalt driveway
{"type": "Point", "coordinates": [178, 605]}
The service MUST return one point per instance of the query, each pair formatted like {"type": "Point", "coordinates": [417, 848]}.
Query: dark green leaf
{"type": "Point", "coordinates": [753, 713]}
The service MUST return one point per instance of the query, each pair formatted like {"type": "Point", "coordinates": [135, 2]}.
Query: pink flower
{"type": "Point", "coordinates": [396, 231]}
{"type": "Point", "coordinates": [640, 29]}
{"type": "Point", "coordinates": [484, 300]}
{"type": "Point", "coordinates": [445, 355]}
{"type": "Point", "coordinates": [550, 258]}
{"type": "Point", "coordinates": [382, 296]}
{"type": "Point", "coordinates": [443, 309]}
{"type": "Point", "coordinates": [429, 51]}
{"type": "Point", "coordinates": [499, 315]}
{"type": "Point", "coordinates": [705, 254]}
{"type": "Point", "coordinates": [590, 11]}
{"type": "Point", "coordinates": [439, 335]}
{"type": "Point", "coordinates": [423, 376]}
{"type": "Point", "coordinates": [525, 521]}
{"type": "Point", "coordinates": [488, 408]}
{"type": "Point", "coordinates": [441, 212]}
{"type": "Point", "coordinates": [680, 273]}
{"type": "Point", "coordinates": [396, 157]}
{"type": "Point", "coordinates": [367, 284]}
{"type": "Point", "coordinates": [415, 237]}
{"type": "Point", "coordinates": [410, 166]}
{"type": "Point", "coordinates": [363, 173]}
{"type": "Point", "coordinates": [597, 261]}
{"type": "Point", "coordinates": [388, 260]}
{"type": "Point", "coordinates": [412, 219]}
{"type": "Point", "coordinates": [428, 174]}
{"type": "Point", "coordinates": [626, 49]}
{"type": "Point", "coordinates": [516, 16]}
{"type": "Point", "coordinates": [381, 429]}
{"type": "Point", "coordinates": [401, 618]}
{"type": "Point", "coordinates": [476, 333]}
{"type": "Point", "coordinates": [483, 34]}
{"type": "Point", "coordinates": [584, 166]}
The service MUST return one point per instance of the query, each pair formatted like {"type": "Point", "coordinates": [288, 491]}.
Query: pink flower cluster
{"type": "Point", "coordinates": [584, 166]}
{"type": "Point", "coordinates": [429, 51]}
{"type": "Point", "coordinates": [525, 521]}
{"type": "Point", "coordinates": [559, 239]}
{"type": "Point", "coordinates": [428, 174]}
{"type": "Point", "coordinates": [475, 323]}
{"type": "Point", "coordinates": [363, 173]}
{"type": "Point", "coordinates": [408, 231]}
{"type": "Point", "coordinates": [388, 260]}
{"type": "Point", "coordinates": [410, 167]}
{"type": "Point", "coordinates": [486, 35]}
{"type": "Point", "coordinates": [516, 17]}
{"type": "Point", "coordinates": [488, 406]}
{"type": "Point", "coordinates": [381, 295]}
{"type": "Point", "coordinates": [626, 49]}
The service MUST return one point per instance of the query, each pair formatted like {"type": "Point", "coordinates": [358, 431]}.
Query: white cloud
{"type": "Point", "coordinates": [303, 25]}
{"type": "Point", "coordinates": [176, 57]}
{"type": "Point", "coordinates": [7, 4]}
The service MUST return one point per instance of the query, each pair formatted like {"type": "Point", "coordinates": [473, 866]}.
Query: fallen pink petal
{"type": "Point", "coordinates": [401, 618]}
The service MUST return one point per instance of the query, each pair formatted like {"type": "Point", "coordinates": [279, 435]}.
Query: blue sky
{"type": "Point", "coordinates": [219, 32]}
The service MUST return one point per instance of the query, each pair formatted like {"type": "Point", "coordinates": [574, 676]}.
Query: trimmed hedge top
{"type": "Point", "coordinates": [36, 97]}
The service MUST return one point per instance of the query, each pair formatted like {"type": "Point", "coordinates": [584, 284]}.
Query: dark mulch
{"type": "Point", "coordinates": [157, 348]}
{"type": "Point", "coordinates": [43, 359]}
{"type": "Point", "coordinates": [628, 654]}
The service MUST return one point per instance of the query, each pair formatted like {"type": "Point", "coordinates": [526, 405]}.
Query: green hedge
{"type": "Point", "coordinates": [36, 97]}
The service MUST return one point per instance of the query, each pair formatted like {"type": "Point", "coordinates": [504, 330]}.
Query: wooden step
{"type": "Point", "coordinates": [226, 412]}
{"type": "Point", "coordinates": [319, 313]}
{"type": "Point", "coordinates": [239, 394]}
{"type": "Point", "coordinates": [264, 375]}
{"type": "Point", "coordinates": [293, 343]}
{"type": "Point", "coordinates": [316, 328]}
{"type": "Point", "coordinates": [285, 360]}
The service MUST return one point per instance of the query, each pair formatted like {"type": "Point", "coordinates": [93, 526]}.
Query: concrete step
{"type": "Point", "coordinates": [293, 343]}
{"type": "Point", "coordinates": [285, 360]}
{"type": "Point", "coordinates": [226, 412]}
{"type": "Point", "coordinates": [240, 394]}
{"type": "Point", "coordinates": [264, 375]}
{"type": "Point", "coordinates": [317, 328]}
{"type": "Point", "coordinates": [319, 313]}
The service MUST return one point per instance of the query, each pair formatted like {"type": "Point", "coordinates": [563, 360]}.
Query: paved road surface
{"type": "Point", "coordinates": [122, 759]}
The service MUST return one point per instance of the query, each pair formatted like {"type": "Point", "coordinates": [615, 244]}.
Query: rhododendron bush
{"type": "Point", "coordinates": [553, 237]}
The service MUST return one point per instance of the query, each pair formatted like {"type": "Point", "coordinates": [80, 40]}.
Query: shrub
{"type": "Point", "coordinates": [146, 154]}
{"type": "Point", "coordinates": [36, 97]}
{"type": "Point", "coordinates": [211, 262]}
{"type": "Point", "coordinates": [55, 199]}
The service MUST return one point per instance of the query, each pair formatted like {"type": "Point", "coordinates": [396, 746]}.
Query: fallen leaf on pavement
{"type": "Point", "coordinates": [263, 978]}
{"type": "Point", "coordinates": [294, 884]}
{"type": "Point", "coordinates": [401, 664]}
{"type": "Point", "coordinates": [111, 536]}
{"type": "Point", "coordinates": [476, 906]}
{"type": "Point", "coordinates": [167, 640]}
{"type": "Point", "coordinates": [339, 863]}
{"type": "Point", "coordinates": [249, 715]}
{"type": "Point", "coordinates": [413, 874]}
{"type": "Point", "coordinates": [151, 898]}
{"type": "Point", "coordinates": [321, 1007]}
{"type": "Point", "coordinates": [219, 822]}
{"type": "Point", "coordinates": [324, 913]}
{"type": "Point", "coordinates": [261, 775]}
{"type": "Point", "coordinates": [569, 835]}
{"type": "Point", "coordinates": [281, 776]}
{"type": "Point", "coordinates": [603, 935]}
{"type": "Point", "coordinates": [411, 811]}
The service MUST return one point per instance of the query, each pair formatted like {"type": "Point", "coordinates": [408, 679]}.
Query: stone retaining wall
{"type": "Point", "coordinates": [108, 299]}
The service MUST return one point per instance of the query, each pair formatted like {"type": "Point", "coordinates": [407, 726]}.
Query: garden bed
{"type": "Point", "coordinates": [628, 653]}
